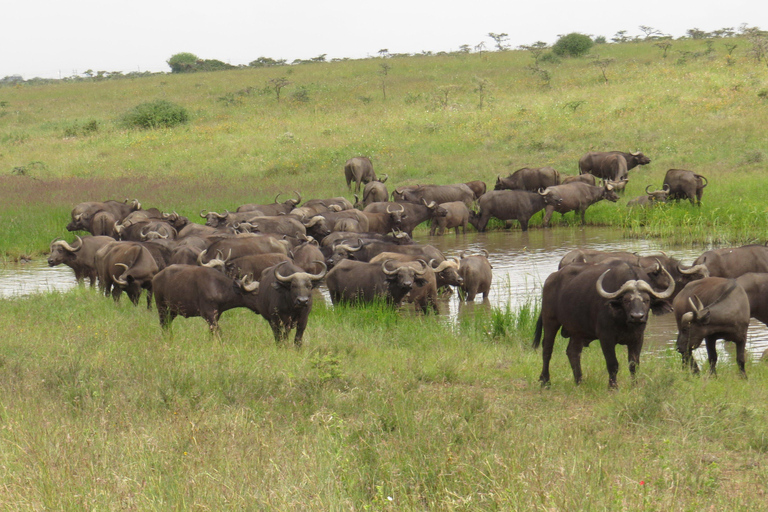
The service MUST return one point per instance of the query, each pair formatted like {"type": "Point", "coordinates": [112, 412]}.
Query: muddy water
{"type": "Point", "coordinates": [521, 262]}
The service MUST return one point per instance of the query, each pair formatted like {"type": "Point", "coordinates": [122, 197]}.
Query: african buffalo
{"type": "Point", "coordinates": [609, 302]}
{"type": "Point", "coordinates": [732, 262]}
{"type": "Point", "coordinates": [575, 196]}
{"type": "Point", "coordinates": [383, 223]}
{"type": "Point", "coordinates": [80, 257]}
{"type": "Point", "coordinates": [477, 187]}
{"type": "Point", "coordinates": [518, 205]}
{"type": "Point", "coordinates": [274, 208]}
{"type": "Point", "coordinates": [477, 274]}
{"type": "Point", "coordinates": [190, 290]}
{"type": "Point", "coordinates": [83, 214]}
{"type": "Point", "coordinates": [126, 266]}
{"type": "Point", "coordinates": [657, 266]}
{"type": "Point", "coordinates": [413, 215]}
{"type": "Point", "coordinates": [650, 198]}
{"type": "Point", "coordinates": [612, 165]}
{"type": "Point", "coordinates": [589, 179]}
{"type": "Point", "coordinates": [375, 191]}
{"type": "Point", "coordinates": [396, 237]}
{"type": "Point", "coordinates": [756, 286]}
{"type": "Point", "coordinates": [530, 179]}
{"type": "Point", "coordinates": [685, 185]}
{"type": "Point", "coordinates": [358, 170]}
{"type": "Point", "coordinates": [362, 282]}
{"type": "Point", "coordinates": [250, 266]}
{"type": "Point", "coordinates": [240, 245]}
{"type": "Point", "coordinates": [457, 217]}
{"type": "Point", "coordinates": [711, 309]}
{"type": "Point", "coordinates": [439, 194]}
{"type": "Point", "coordinates": [423, 297]}
{"type": "Point", "coordinates": [285, 299]}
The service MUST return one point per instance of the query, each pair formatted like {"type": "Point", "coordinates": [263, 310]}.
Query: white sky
{"type": "Point", "coordinates": [53, 38]}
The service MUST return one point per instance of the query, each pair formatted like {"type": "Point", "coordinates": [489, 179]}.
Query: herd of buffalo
{"type": "Point", "coordinates": [269, 257]}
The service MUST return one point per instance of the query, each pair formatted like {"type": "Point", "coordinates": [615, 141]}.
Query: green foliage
{"type": "Point", "coordinates": [572, 45]}
{"type": "Point", "coordinates": [77, 128]}
{"type": "Point", "coordinates": [182, 62]}
{"type": "Point", "coordinates": [156, 114]}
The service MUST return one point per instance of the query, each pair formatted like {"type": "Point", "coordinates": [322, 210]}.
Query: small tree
{"type": "Point", "coordinates": [665, 46]}
{"type": "Point", "coordinates": [277, 85]}
{"type": "Point", "coordinates": [537, 49]}
{"type": "Point", "coordinates": [384, 53]}
{"type": "Point", "coordinates": [500, 40]}
{"type": "Point", "coordinates": [184, 62]}
{"type": "Point", "coordinates": [650, 32]}
{"type": "Point", "coordinates": [603, 65]}
{"type": "Point", "coordinates": [620, 37]}
{"type": "Point", "coordinates": [481, 88]}
{"type": "Point", "coordinates": [572, 45]}
{"type": "Point", "coordinates": [384, 71]}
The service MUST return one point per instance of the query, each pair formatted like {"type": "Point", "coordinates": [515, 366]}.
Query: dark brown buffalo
{"type": "Point", "coordinates": [396, 237]}
{"type": "Point", "coordinates": [80, 256]}
{"type": "Point", "coordinates": [362, 282]}
{"type": "Point", "coordinates": [589, 179]}
{"type": "Point", "coordinates": [712, 309]}
{"type": "Point", "coordinates": [383, 223]}
{"type": "Point", "coordinates": [358, 170]}
{"type": "Point", "coordinates": [685, 185]}
{"type": "Point", "coordinates": [735, 261]}
{"type": "Point", "coordinates": [274, 208]}
{"type": "Point", "coordinates": [323, 224]}
{"type": "Point", "coordinates": [397, 194]}
{"type": "Point", "coordinates": [413, 215]}
{"type": "Point", "coordinates": [83, 214]}
{"type": "Point", "coordinates": [190, 291]}
{"type": "Point", "coordinates": [609, 302]}
{"type": "Point", "coordinates": [611, 165]}
{"type": "Point", "coordinates": [681, 274]}
{"type": "Point", "coordinates": [756, 286]}
{"type": "Point", "coordinates": [240, 245]}
{"type": "Point", "coordinates": [447, 273]}
{"type": "Point", "coordinates": [126, 266]}
{"type": "Point", "coordinates": [423, 297]}
{"type": "Point", "coordinates": [518, 205]}
{"type": "Point", "coordinates": [530, 179]}
{"type": "Point", "coordinates": [574, 197]}
{"type": "Point", "coordinates": [650, 198]}
{"type": "Point", "coordinates": [439, 194]}
{"type": "Point", "coordinates": [308, 257]}
{"type": "Point", "coordinates": [139, 229]}
{"type": "Point", "coordinates": [477, 274]}
{"type": "Point", "coordinates": [335, 204]}
{"type": "Point", "coordinates": [425, 252]}
{"type": "Point", "coordinates": [477, 187]}
{"type": "Point", "coordinates": [457, 217]}
{"type": "Point", "coordinates": [285, 299]}
{"type": "Point", "coordinates": [374, 192]}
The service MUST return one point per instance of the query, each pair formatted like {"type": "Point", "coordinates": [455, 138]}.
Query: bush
{"type": "Point", "coordinates": [156, 114]}
{"type": "Point", "coordinates": [572, 45]}
{"type": "Point", "coordinates": [184, 62]}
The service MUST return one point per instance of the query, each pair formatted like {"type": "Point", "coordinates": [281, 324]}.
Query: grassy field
{"type": "Point", "coordinates": [63, 143]}
{"type": "Point", "coordinates": [380, 410]}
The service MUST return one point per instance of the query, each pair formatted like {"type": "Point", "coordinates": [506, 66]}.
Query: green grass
{"type": "Point", "coordinates": [702, 114]}
{"type": "Point", "coordinates": [101, 410]}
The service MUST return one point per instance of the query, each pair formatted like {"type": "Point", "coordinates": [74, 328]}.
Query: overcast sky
{"type": "Point", "coordinates": [59, 38]}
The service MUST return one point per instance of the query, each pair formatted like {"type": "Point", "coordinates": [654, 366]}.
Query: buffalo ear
{"type": "Point", "coordinates": [276, 285]}
{"type": "Point", "coordinates": [420, 281]}
{"type": "Point", "coordinates": [704, 317]}
{"type": "Point", "coordinates": [661, 307]}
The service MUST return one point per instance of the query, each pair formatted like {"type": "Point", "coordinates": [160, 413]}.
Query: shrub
{"type": "Point", "coordinates": [156, 114]}
{"type": "Point", "coordinates": [184, 62]}
{"type": "Point", "coordinates": [572, 45]}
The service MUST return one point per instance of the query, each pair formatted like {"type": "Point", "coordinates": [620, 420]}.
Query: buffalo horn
{"type": "Point", "coordinates": [248, 287]}
{"type": "Point", "coordinates": [335, 208]}
{"type": "Point", "coordinates": [706, 181]}
{"type": "Point", "coordinates": [546, 192]}
{"type": "Point", "coordinates": [382, 180]}
{"type": "Point", "coordinates": [203, 213]}
{"type": "Point", "coordinates": [629, 285]}
{"type": "Point", "coordinates": [298, 198]}
{"type": "Point", "coordinates": [77, 217]}
{"type": "Point", "coordinates": [485, 253]}
{"type": "Point", "coordinates": [646, 189]}
{"type": "Point", "coordinates": [120, 280]}
{"type": "Point", "coordinates": [384, 268]}
{"type": "Point", "coordinates": [423, 268]}
{"type": "Point", "coordinates": [642, 285]}
{"type": "Point", "coordinates": [693, 306]}
{"type": "Point", "coordinates": [314, 220]}
{"type": "Point", "coordinates": [696, 269]}
{"type": "Point", "coordinates": [666, 188]}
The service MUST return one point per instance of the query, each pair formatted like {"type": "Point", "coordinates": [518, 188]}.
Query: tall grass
{"type": "Point", "coordinates": [377, 411]}
{"type": "Point", "coordinates": [697, 113]}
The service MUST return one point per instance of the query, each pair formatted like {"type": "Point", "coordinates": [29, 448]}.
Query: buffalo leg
{"type": "Point", "coordinates": [633, 357]}
{"type": "Point", "coordinates": [711, 342]}
{"type": "Point", "coordinates": [573, 352]}
{"type": "Point", "coordinates": [741, 353]}
{"type": "Point", "coordinates": [548, 215]}
{"type": "Point", "coordinates": [277, 330]}
{"type": "Point", "coordinates": [609, 351]}
{"type": "Point", "coordinates": [547, 345]}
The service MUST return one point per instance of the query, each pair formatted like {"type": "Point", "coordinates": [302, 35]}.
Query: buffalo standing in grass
{"type": "Point", "coordinates": [611, 165]}
{"type": "Point", "coordinates": [190, 291]}
{"type": "Point", "coordinates": [711, 309]}
{"type": "Point", "coordinates": [609, 302]}
{"type": "Point", "coordinates": [650, 198]}
{"type": "Point", "coordinates": [126, 266]}
{"type": "Point", "coordinates": [80, 256]}
{"type": "Point", "coordinates": [361, 282]}
{"type": "Point", "coordinates": [83, 215]}
{"type": "Point", "coordinates": [685, 185]}
{"type": "Point", "coordinates": [285, 299]}
{"type": "Point", "coordinates": [358, 170]}
{"type": "Point", "coordinates": [575, 197]}
{"type": "Point", "coordinates": [375, 191]}
{"type": "Point", "coordinates": [529, 179]}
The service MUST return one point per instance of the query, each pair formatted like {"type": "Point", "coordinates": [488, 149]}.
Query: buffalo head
{"type": "Point", "coordinates": [299, 284]}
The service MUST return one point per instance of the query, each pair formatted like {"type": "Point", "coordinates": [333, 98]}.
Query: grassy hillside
{"type": "Point", "coordinates": [62, 143]}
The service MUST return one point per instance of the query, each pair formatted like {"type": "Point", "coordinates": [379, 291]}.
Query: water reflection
{"type": "Point", "coordinates": [521, 262]}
